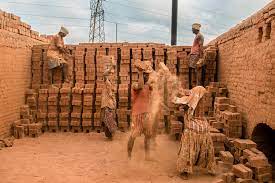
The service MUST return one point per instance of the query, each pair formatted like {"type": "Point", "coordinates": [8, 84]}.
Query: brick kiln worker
{"type": "Point", "coordinates": [141, 109]}
{"type": "Point", "coordinates": [195, 55]}
{"type": "Point", "coordinates": [108, 102]}
{"type": "Point", "coordinates": [55, 55]}
{"type": "Point", "coordinates": [196, 143]}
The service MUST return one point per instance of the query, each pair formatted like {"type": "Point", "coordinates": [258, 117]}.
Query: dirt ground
{"type": "Point", "coordinates": [83, 158]}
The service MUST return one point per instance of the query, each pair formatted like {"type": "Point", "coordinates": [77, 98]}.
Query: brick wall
{"type": "Point", "coordinates": [16, 41]}
{"type": "Point", "coordinates": [246, 64]}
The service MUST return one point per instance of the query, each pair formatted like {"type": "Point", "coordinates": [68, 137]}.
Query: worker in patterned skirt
{"type": "Point", "coordinates": [56, 55]}
{"type": "Point", "coordinates": [108, 102]}
{"type": "Point", "coordinates": [196, 143]}
{"type": "Point", "coordinates": [195, 56]}
{"type": "Point", "coordinates": [141, 122]}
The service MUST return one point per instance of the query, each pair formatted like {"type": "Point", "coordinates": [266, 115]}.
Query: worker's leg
{"type": "Point", "coordinates": [65, 72]}
{"type": "Point", "coordinates": [198, 73]}
{"type": "Point", "coordinates": [147, 147]}
{"type": "Point", "coordinates": [50, 75]}
{"type": "Point", "coordinates": [130, 146]}
{"type": "Point", "coordinates": [190, 77]}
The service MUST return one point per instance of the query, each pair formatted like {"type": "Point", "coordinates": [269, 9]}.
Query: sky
{"type": "Point", "coordinates": [137, 20]}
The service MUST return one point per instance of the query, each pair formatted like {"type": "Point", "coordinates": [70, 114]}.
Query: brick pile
{"type": "Point", "coordinates": [88, 100]}
{"type": "Point", "coordinates": [42, 112]}
{"type": "Point", "coordinates": [227, 117]}
{"type": "Point", "coordinates": [65, 108]}
{"type": "Point", "coordinates": [77, 108]}
{"type": "Point", "coordinates": [124, 87]}
{"type": "Point", "coordinates": [13, 23]}
{"type": "Point", "coordinates": [244, 163]}
{"type": "Point", "coordinates": [88, 62]}
{"type": "Point", "coordinates": [31, 101]}
{"type": "Point", "coordinates": [53, 109]}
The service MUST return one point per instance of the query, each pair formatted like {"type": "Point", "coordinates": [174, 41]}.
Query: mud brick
{"type": "Point", "coordinates": [257, 161]}
{"type": "Point", "coordinates": [221, 107]}
{"type": "Point", "coordinates": [228, 177]}
{"type": "Point", "coordinates": [35, 129]}
{"type": "Point", "coordinates": [240, 180]}
{"type": "Point", "coordinates": [52, 115]}
{"type": "Point", "coordinates": [242, 171]}
{"type": "Point", "coordinates": [76, 115]}
{"type": "Point", "coordinates": [222, 100]}
{"type": "Point", "coordinates": [227, 157]}
{"type": "Point", "coordinates": [263, 178]}
{"type": "Point", "coordinates": [52, 123]}
{"type": "Point", "coordinates": [220, 181]}
{"type": "Point", "coordinates": [42, 115]}
{"type": "Point", "coordinates": [52, 108]}
{"type": "Point", "coordinates": [63, 123]}
{"type": "Point", "coordinates": [26, 129]}
{"type": "Point", "coordinates": [20, 132]}
{"type": "Point", "coordinates": [75, 123]}
{"type": "Point", "coordinates": [232, 108]}
{"type": "Point", "coordinates": [243, 144]}
{"type": "Point", "coordinates": [218, 125]}
{"type": "Point", "coordinates": [64, 115]}
{"type": "Point", "coordinates": [87, 123]}
{"type": "Point", "coordinates": [267, 169]}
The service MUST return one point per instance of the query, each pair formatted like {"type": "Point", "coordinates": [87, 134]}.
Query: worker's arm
{"type": "Point", "coordinates": [140, 80]}
{"type": "Point", "coordinates": [201, 41]}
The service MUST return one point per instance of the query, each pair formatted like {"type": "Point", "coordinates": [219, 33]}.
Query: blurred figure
{"type": "Point", "coordinates": [56, 55]}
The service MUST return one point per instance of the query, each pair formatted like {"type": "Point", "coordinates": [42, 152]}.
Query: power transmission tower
{"type": "Point", "coordinates": [96, 32]}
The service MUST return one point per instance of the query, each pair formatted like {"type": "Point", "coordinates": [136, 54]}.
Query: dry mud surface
{"type": "Point", "coordinates": [87, 158]}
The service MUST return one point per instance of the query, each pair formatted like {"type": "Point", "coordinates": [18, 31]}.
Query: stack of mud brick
{"type": "Point", "coordinates": [227, 115]}
{"type": "Point", "coordinates": [210, 54]}
{"type": "Point", "coordinates": [100, 60]}
{"type": "Point", "coordinates": [53, 109]}
{"type": "Point", "coordinates": [159, 57]}
{"type": "Point", "coordinates": [124, 89]}
{"type": "Point", "coordinates": [45, 68]}
{"type": "Point", "coordinates": [20, 127]}
{"type": "Point", "coordinates": [42, 111]}
{"type": "Point", "coordinates": [65, 108]}
{"type": "Point", "coordinates": [172, 61]}
{"type": "Point", "coordinates": [245, 163]}
{"type": "Point", "coordinates": [31, 101]}
{"type": "Point", "coordinates": [137, 55]}
{"type": "Point", "coordinates": [12, 23]}
{"type": "Point", "coordinates": [88, 100]}
{"type": "Point", "coordinates": [218, 140]}
{"type": "Point", "coordinates": [90, 72]}
{"type": "Point", "coordinates": [79, 68]}
{"type": "Point", "coordinates": [36, 67]}
{"type": "Point", "coordinates": [77, 107]}
{"type": "Point", "coordinates": [183, 69]}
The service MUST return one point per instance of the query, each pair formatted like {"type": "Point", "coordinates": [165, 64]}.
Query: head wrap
{"type": "Point", "coordinates": [196, 26]}
{"type": "Point", "coordinates": [64, 30]}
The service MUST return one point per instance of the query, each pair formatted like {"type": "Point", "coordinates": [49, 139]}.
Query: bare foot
{"type": "Point", "coordinates": [184, 176]}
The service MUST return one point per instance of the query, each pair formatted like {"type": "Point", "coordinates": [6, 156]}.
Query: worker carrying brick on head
{"type": "Point", "coordinates": [56, 55]}
{"type": "Point", "coordinates": [108, 101]}
{"type": "Point", "coordinates": [196, 143]}
{"type": "Point", "coordinates": [195, 56]}
{"type": "Point", "coordinates": [141, 122]}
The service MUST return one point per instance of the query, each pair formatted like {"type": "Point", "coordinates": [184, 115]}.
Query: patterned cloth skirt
{"type": "Point", "coordinates": [141, 124]}
{"type": "Point", "coordinates": [193, 60]}
{"type": "Point", "coordinates": [108, 118]}
{"type": "Point", "coordinates": [196, 150]}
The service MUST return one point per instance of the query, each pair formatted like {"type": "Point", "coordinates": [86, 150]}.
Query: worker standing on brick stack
{"type": "Point", "coordinates": [56, 55]}
{"type": "Point", "coordinates": [195, 55]}
{"type": "Point", "coordinates": [141, 122]}
{"type": "Point", "coordinates": [108, 102]}
{"type": "Point", "coordinates": [196, 143]}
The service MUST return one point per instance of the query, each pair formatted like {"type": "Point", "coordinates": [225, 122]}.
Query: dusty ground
{"type": "Point", "coordinates": [81, 158]}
